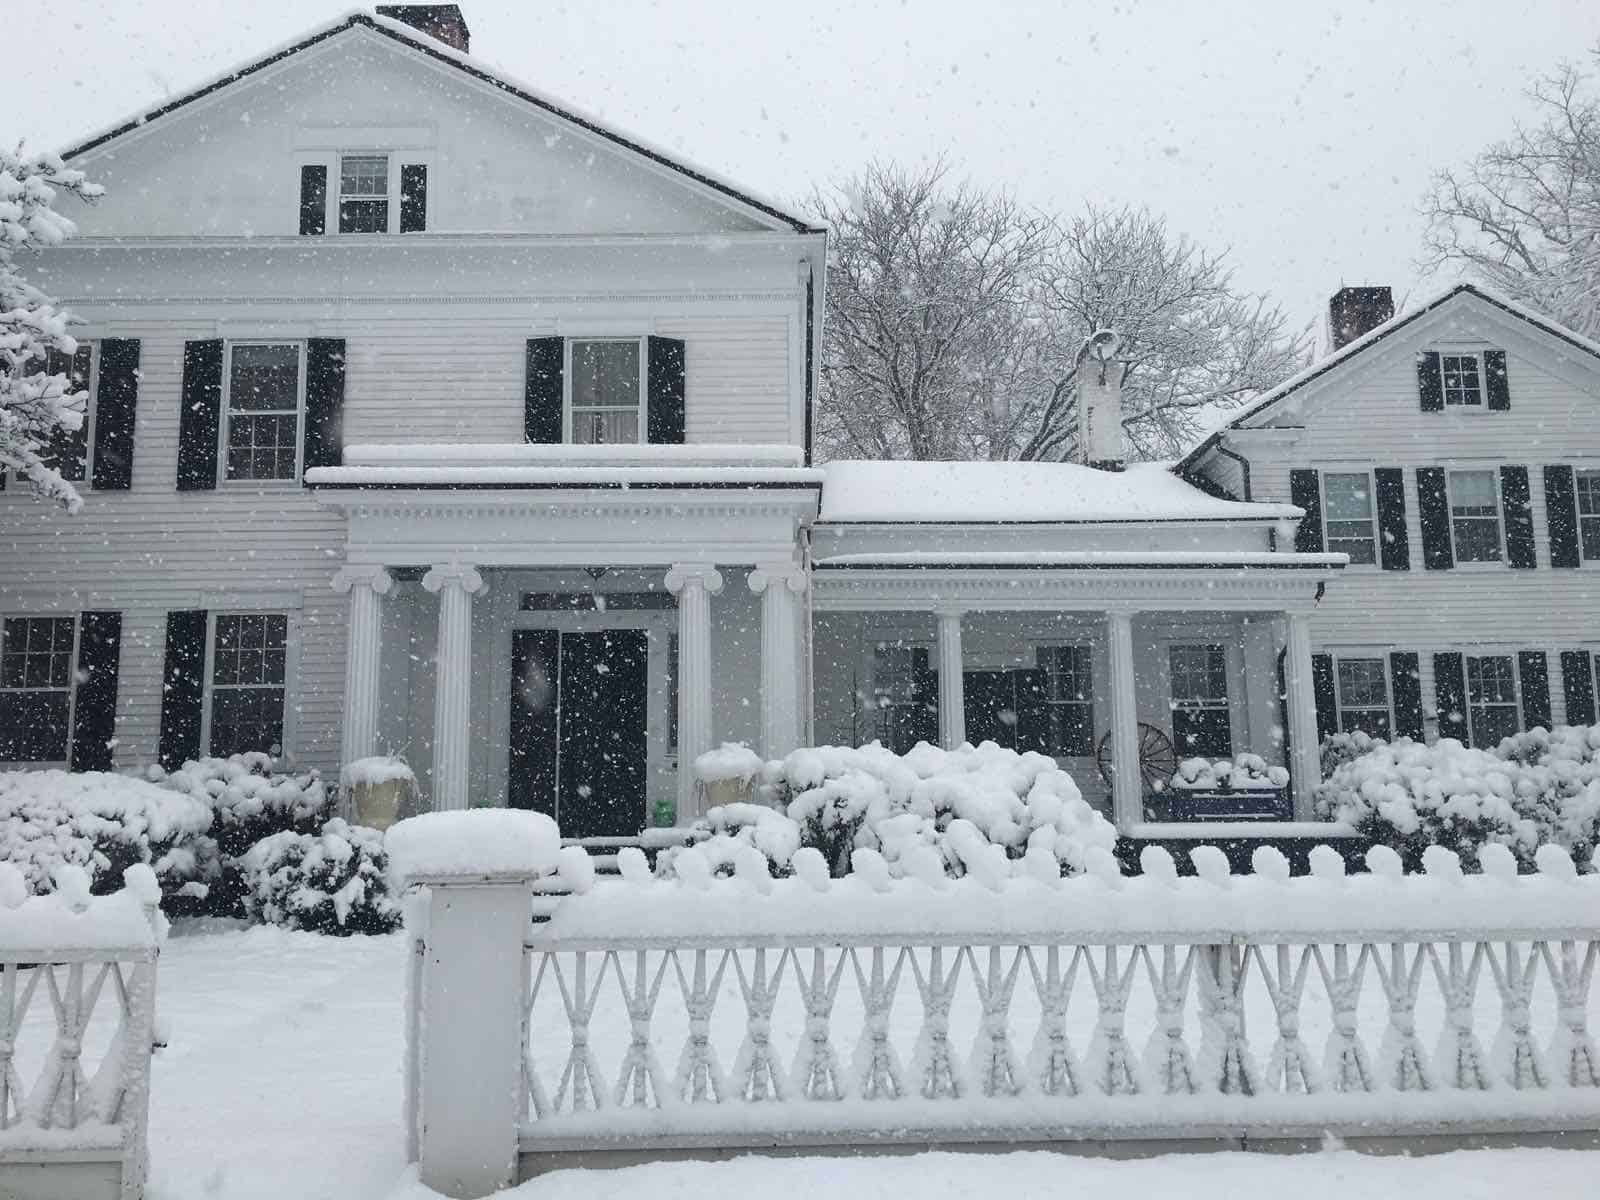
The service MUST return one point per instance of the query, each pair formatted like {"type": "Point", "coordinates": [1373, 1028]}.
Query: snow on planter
{"type": "Point", "coordinates": [473, 842]}
{"type": "Point", "coordinates": [376, 771]}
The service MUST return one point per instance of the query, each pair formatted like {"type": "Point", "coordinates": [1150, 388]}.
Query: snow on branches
{"type": "Point", "coordinates": [38, 405]}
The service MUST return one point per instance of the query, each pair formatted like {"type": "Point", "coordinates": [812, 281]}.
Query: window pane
{"type": "Point", "coordinates": [605, 375]}
{"type": "Point", "coordinates": [1202, 731]}
{"type": "Point", "coordinates": [1491, 681]}
{"type": "Point", "coordinates": [1362, 683]}
{"type": "Point", "coordinates": [1472, 490]}
{"type": "Point", "coordinates": [245, 720]}
{"type": "Point", "coordinates": [604, 427]}
{"type": "Point", "coordinates": [364, 175]}
{"type": "Point", "coordinates": [1475, 516]}
{"type": "Point", "coordinates": [264, 378]}
{"type": "Point", "coordinates": [1349, 497]}
{"type": "Point", "coordinates": [33, 726]}
{"type": "Point", "coordinates": [363, 216]}
{"type": "Point", "coordinates": [1461, 378]}
{"type": "Point", "coordinates": [1374, 722]}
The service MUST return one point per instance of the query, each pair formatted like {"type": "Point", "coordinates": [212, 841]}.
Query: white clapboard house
{"type": "Point", "coordinates": [430, 416]}
{"type": "Point", "coordinates": [1453, 453]}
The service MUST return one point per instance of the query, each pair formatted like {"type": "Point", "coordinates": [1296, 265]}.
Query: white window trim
{"type": "Point", "coordinates": [1365, 655]}
{"type": "Point", "coordinates": [1493, 471]}
{"type": "Point", "coordinates": [72, 688]}
{"type": "Point", "coordinates": [644, 382]}
{"type": "Point", "coordinates": [1088, 648]}
{"type": "Point", "coordinates": [1578, 516]}
{"type": "Point", "coordinates": [1372, 492]}
{"type": "Point", "coordinates": [291, 673]}
{"type": "Point", "coordinates": [227, 414]}
{"type": "Point", "coordinates": [397, 154]}
{"type": "Point", "coordinates": [1516, 687]}
{"type": "Point", "coordinates": [1232, 659]}
{"type": "Point", "coordinates": [392, 179]}
{"type": "Point", "coordinates": [1483, 379]}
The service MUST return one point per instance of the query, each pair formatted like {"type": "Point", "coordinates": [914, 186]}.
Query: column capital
{"type": "Point", "coordinates": [1120, 612]}
{"type": "Point", "coordinates": [704, 575]}
{"type": "Point", "coordinates": [787, 573]}
{"type": "Point", "coordinates": [949, 612]}
{"type": "Point", "coordinates": [352, 576]}
{"type": "Point", "coordinates": [454, 574]}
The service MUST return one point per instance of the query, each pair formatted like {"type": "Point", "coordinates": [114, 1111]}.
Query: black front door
{"type": "Point", "coordinates": [578, 729]}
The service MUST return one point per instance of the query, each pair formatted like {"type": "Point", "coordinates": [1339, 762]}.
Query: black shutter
{"type": "Point", "coordinates": [1394, 546]}
{"type": "Point", "coordinates": [1498, 384]}
{"type": "Point", "coordinates": [1305, 491]}
{"type": "Point", "coordinates": [200, 418]}
{"type": "Point", "coordinates": [1534, 672]}
{"type": "Point", "coordinates": [542, 390]}
{"type": "Point", "coordinates": [94, 708]}
{"type": "Point", "coordinates": [183, 687]}
{"type": "Point", "coordinates": [1516, 496]}
{"type": "Point", "coordinates": [1405, 678]}
{"type": "Point", "coordinates": [666, 418]}
{"type": "Point", "coordinates": [1577, 685]}
{"type": "Point", "coordinates": [1450, 695]}
{"type": "Point", "coordinates": [313, 200]}
{"type": "Point", "coordinates": [413, 197]}
{"type": "Point", "coordinates": [1433, 507]}
{"type": "Point", "coordinates": [923, 723]}
{"type": "Point", "coordinates": [116, 399]}
{"type": "Point", "coordinates": [1561, 511]}
{"type": "Point", "coordinates": [324, 435]}
{"type": "Point", "coordinates": [1322, 687]}
{"type": "Point", "coordinates": [1430, 384]}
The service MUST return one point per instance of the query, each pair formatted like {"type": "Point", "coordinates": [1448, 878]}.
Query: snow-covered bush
{"type": "Point", "coordinates": [103, 823]}
{"type": "Point", "coordinates": [927, 811]}
{"type": "Point", "coordinates": [1340, 748]}
{"type": "Point", "coordinates": [1243, 771]}
{"type": "Point", "coordinates": [334, 881]}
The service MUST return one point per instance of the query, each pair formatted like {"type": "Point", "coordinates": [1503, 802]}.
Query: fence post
{"type": "Point", "coordinates": [470, 1026]}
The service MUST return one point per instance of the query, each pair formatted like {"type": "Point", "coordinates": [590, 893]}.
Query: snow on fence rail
{"type": "Point", "coordinates": [1023, 1009]}
{"type": "Point", "coordinates": [77, 1011]}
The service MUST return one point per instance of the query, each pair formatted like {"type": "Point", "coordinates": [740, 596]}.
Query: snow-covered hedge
{"type": "Point", "coordinates": [928, 812]}
{"type": "Point", "coordinates": [334, 881]}
{"type": "Point", "coordinates": [1222, 774]}
{"type": "Point", "coordinates": [1537, 788]}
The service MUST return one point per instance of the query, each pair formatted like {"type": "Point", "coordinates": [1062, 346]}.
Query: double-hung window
{"type": "Point", "coordinates": [261, 433]}
{"type": "Point", "coordinates": [67, 450]}
{"type": "Point", "coordinates": [1348, 511]}
{"type": "Point", "coordinates": [901, 687]}
{"type": "Point", "coordinates": [606, 390]}
{"type": "Point", "coordinates": [248, 679]}
{"type": "Point", "coordinates": [1069, 698]}
{"type": "Point", "coordinates": [36, 657]}
{"type": "Point", "coordinates": [1492, 712]}
{"type": "Point", "coordinates": [1475, 516]}
{"type": "Point", "coordinates": [364, 193]}
{"type": "Point", "coordinates": [1363, 694]}
{"type": "Point", "coordinates": [1462, 376]}
{"type": "Point", "coordinates": [1200, 721]}
{"type": "Point", "coordinates": [1587, 484]}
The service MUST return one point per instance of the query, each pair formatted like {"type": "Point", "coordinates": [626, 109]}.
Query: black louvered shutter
{"type": "Point", "coordinates": [542, 390]}
{"type": "Point", "coordinates": [1533, 670]}
{"type": "Point", "coordinates": [1394, 545]}
{"type": "Point", "coordinates": [115, 407]}
{"type": "Point", "coordinates": [1322, 688]}
{"type": "Point", "coordinates": [94, 705]}
{"type": "Point", "coordinates": [183, 687]}
{"type": "Point", "coordinates": [313, 200]}
{"type": "Point", "coordinates": [200, 418]}
{"type": "Point", "coordinates": [324, 434]}
{"type": "Point", "coordinates": [1405, 678]}
{"type": "Point", "coordinates": [666, 416]}
{"type": "Point", "coordinates": [1577, 686]}
{"type": "Point", "coordinates": [1433, 508]}
{"type": "Point", "coordinates": [1561, 511]}
{"type": "Point", "coordinates": [1450, 695]}
{"type": "Point", "coordinates": [1517, 497]}
{"type": "Point", "coordinates": [1430, 384]}
{"type": "Point", "coordinates": [1498, 385]}
{"type": "Point", "coordinates": [413, 197]}
{"type": "Point", "coordinates": [1305, 491]}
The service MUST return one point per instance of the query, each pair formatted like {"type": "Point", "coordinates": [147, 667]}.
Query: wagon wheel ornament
{"type": "Point", "coordinates": [1158, 760]}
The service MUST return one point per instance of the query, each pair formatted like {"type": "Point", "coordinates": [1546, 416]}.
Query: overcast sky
{"type": "Point", "coordinates": [1300, 135]}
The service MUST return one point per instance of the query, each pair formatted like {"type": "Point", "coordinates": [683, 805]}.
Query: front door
{"type": "Point", "coordinates": [578, 729]}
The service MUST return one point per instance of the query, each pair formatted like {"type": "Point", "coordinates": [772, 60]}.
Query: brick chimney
{"type": "Point", "coordinates": [442, 22]}
{"type": "Point", "coordinates": [1100, 401]}
{"type": "Point", "coordinates": [1355, 311]}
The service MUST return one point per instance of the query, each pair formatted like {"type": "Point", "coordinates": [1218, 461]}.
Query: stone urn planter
{"type": "Point", "coordinates": [380, 790]}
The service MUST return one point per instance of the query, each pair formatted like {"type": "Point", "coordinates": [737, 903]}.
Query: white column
{"type": "Point", "coordinates": [694, 584]}
{"type": "Point", "coordinates": [367, 586]}
{"type": "Point", "coordinates": [455, 584]}
{"type": "Point", "coordinates": [780, 586]}
{"type": "Point", "coordinates": [1305, 752]}
{"type": "Point", "coordinates": [952, 690]}
{"type": "Point", "coordinates": [1127, 787]}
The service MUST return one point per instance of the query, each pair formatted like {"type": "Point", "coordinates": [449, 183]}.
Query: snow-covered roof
{"type": "Point", "coordinates": [1200, 558]}
{"type": "Point", "coordinates": [477, 68]}
{"type": "Point", "coordinates": [872, 491]}
{"type": "Point", "coordinates": [1377, 334]}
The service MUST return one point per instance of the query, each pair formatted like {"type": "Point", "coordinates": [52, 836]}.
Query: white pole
{"type": "Point", "coordinates": [694, 584]}
{"type": "Point", "coordinates": [952, 687]}
{"type": "Point", "coordinates": [366, 585]}
{"type": "Point", "coordinates": [455, 584]}
{"type": "Point", "coordinates": [780, 586]}
{"type": "Point", "coordinates": [1305, 757]}
{"type": "Point", "coordinates": [1127, 786]}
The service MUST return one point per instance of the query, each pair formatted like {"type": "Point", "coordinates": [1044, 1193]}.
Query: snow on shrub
{"type": "Point", "coordinates": [1243, 771]}
{"type": "Point", "coordinates": [103, 823]}
{"type": "Point", "coordinates": [1536, 788]}
{"type": "Point", "coordinates": [959, 812]}
{"type": "Point", "coordinates": [334, 881]}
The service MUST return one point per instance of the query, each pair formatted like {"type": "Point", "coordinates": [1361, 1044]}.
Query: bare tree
{"type": "Point", "coordinates": [1524, 215]}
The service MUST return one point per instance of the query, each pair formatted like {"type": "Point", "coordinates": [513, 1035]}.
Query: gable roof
{"type": "Point", "coordinates": [1371, 338]}
{"type": "Point", "coordinates": [414, 39]}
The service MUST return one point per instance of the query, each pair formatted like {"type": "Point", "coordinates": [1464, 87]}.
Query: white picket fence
{"type": "Point", "coordinates": [1028, 1013]}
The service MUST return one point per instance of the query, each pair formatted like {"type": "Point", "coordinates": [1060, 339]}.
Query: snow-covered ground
{"type": "Point", "coordinates": [282, 1079]}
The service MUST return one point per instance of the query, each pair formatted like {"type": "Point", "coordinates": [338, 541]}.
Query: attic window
{"type": "Point", "coordinates": [1462, 380]}
{"type": "Point", "coordinates": [364, 193]}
